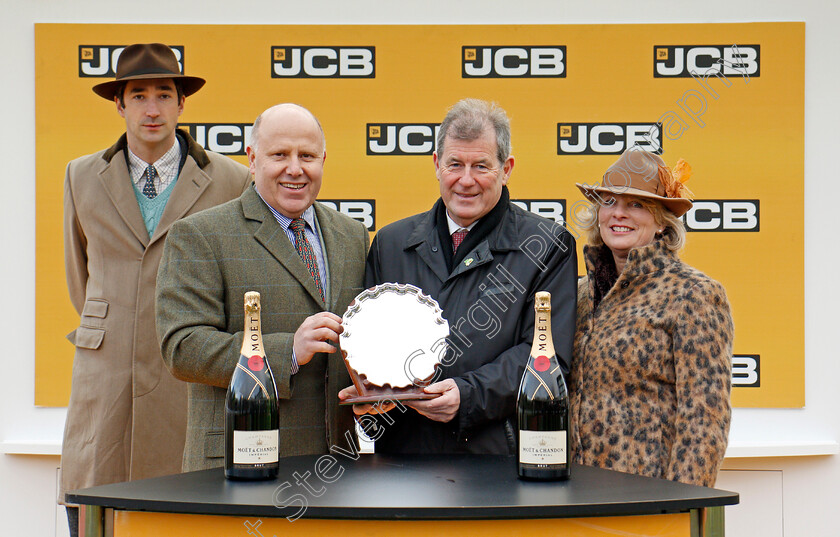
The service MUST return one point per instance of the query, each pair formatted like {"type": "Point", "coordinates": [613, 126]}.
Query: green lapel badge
{"type": "Point", "coordinates": [468, 262]}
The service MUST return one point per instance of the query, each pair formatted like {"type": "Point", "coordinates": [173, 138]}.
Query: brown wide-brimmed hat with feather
{"type": "Point", "coordinates": [641, 173]}
{"type": "Point", "coordinates": [144, 61]}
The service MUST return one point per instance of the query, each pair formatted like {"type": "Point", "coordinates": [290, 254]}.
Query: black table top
{"type": "Point", "coordinates": [379, 487]}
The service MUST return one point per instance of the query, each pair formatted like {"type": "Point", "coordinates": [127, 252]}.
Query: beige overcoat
{"type": "Point", "coordinates": [126, 418]}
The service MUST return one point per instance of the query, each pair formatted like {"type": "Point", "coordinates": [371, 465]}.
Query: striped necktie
{"type": "Point", "coordinates": [304, 249]}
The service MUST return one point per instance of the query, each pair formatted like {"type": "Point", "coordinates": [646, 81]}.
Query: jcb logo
{"type": "Point", "coordinates": [323, 62]}
{"type": "Point", "coordinates": [362, 210]}
{"type": "Point", "coordinates": [607, 138]}
{"type": "Point", "coordinates": [402, 138]}
{"type": "Point", "coordinates": [100, 61]}
{"type": "Point", "coordinates": [683, 61]}
{"type": "Point", "coordinates": [553, 209]}
{"type": "Point", "coordinates": [723, 215]}
{"type": "Point", "coordinates": [224, 138]}
{"type": "Point", "coordinates": [513, 62]}
{"type": "Point", "coordinates": [746, 370]}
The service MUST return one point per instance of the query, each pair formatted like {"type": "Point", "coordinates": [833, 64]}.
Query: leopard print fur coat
{"type": "Point", "coordinates": [650, 379]}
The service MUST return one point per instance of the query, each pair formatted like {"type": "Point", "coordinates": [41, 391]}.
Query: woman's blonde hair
{"type": "Point", "coordinates": [673, 229]}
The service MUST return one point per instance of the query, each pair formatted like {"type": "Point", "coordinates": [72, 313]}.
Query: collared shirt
{"type": "Point", "coordinates": [166, 166]}
{"type": "Point", "coordinates": [308, 217]}
{"type": "Point", "coordinates": [453, 227]}
{"type": "Point", "coordinates": [285, 222]}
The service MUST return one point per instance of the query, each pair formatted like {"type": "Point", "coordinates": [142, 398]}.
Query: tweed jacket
{"type": "Point", "coordinates": [210, 261]}
{"type": "Point", "coordinates": [651, 377]}
{"type": "Point", "coordinates": [127, 415]}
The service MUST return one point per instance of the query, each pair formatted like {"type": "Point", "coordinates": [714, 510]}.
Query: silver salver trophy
{"type": "Point", "coordinates": [393, 340]}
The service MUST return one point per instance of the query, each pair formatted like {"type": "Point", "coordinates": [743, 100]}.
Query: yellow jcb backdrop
{"type": "Point", "coordinates": [728, 98]}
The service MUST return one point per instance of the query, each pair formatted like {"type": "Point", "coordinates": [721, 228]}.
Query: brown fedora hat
{"type": "Point", "coordinates": [641, 173]}
{"type": "Point", "coordinates": [143, 61]}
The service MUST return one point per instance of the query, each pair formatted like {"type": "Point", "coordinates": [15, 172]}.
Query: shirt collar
{"type": "Point", "coordinates": [453, 227]}
{"type": "Point", "coordinates": [308, 215]}
{"type": "Point", "coordinates": [163, 165]}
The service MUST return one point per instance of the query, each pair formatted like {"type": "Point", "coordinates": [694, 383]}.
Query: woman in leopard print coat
{"type": "Point", "coordinates": [650, 380]}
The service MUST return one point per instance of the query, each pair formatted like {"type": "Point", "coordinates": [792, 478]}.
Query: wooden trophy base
{"type": "Point", "coordinates": [388, 395]}
{"type": "Point", "coordinates": [371, 393]}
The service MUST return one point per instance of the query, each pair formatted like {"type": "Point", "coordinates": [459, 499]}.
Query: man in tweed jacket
{"type": "Point", "coordinates": [211, 259]}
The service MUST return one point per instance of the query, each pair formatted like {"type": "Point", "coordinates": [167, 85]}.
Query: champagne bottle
{"type": "Point", "coordinates": [252, 416]}
{"type": "Point", "coordinates": [543, 405]}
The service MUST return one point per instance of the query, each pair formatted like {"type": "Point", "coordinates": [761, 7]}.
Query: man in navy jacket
{"type": "Point", "coordinates": [483, 259]}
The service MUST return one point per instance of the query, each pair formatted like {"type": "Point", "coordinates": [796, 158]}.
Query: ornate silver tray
{"type": "Point", "coordinates": [394, 337]}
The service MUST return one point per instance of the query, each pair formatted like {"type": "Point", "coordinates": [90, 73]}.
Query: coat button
{"type": "Point", "coordinates": [625, 284]}
{"type": "Point", "coordinates": [434, 248]}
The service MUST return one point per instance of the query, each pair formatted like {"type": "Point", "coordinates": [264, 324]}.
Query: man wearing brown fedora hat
{"type": "Point", "coordinates": [127, 415]}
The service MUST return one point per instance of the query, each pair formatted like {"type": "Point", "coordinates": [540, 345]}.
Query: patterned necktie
{"type": "Point", "coordinates": [304, 249]}
{"type": "Point", "coordinates": [149, 188]}
{"type": "Point", "coordinates": [458, 238]}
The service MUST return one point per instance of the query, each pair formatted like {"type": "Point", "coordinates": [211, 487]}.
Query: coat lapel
{"type": "Point", "coordinates": [503, 238]}
{"type": "Point", "coordinates": [426, 243]}
{"type": "Point", "coordinates": [274, 239]}
{"type": "Point", "coordinates": [335, 247]}
{"type": "Point", "coordinates": [480, 255]}
{"type": "Point", "coordinates": [191, 183]}
{"type": "Point", "coordinates": [117, 184]}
